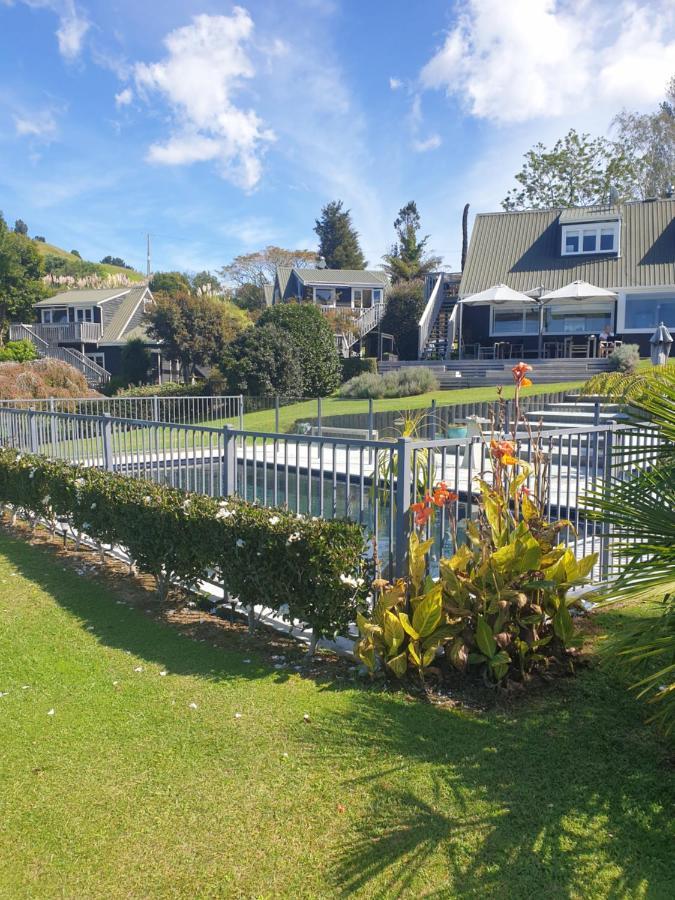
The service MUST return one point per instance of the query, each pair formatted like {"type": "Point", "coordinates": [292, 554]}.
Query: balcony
{"type": "Point", "coordinates": [65, 333]}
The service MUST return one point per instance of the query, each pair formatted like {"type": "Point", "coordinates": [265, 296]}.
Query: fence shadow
{"type": "Point", "coordinates": [564, 797]}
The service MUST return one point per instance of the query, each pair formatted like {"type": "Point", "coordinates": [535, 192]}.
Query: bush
{"type": "Point", "coordinates": [313, 342]}
{"type": "Point", "coordinates": [357, 365]}
{"type": "Point", "coordinates": [18, 351]}
{"type": "Point", "coordinates": [136, 362]}
{"type": "Point", "coordinates": [168, 389]}
{"type": "Point", "coordinates": [261, 362]}
{"type": "Point", "coordinates": [314, 567]}
{"type": "Point", "coordinates": [405, 382]}
{"type": "Point", "coordinates": [41, 378]}
{"type": "Point", "coordinates": [626, 358]}
{"type": "Point", "coordinates": [405, 305]}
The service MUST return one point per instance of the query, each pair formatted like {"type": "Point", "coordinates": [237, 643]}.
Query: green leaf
{"type": "Point", "coordinates": [394, 635]}
{"type": "Point", "coordinates": [427, 616]}
{"type": "Point", "coordinates": [563, 624]}
{"type": "Point", "coordinates": [407, 626]}
{"type": "Point", "coordinates": [398, 664]}
{"type": "Point", "coordinates": [585, 565]}
{"type": "Point", "coordinates": [500, 663]}
{"type": "Point", "coordinates": [484, 638]}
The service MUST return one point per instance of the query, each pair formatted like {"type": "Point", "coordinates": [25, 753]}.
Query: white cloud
{"type": "Point", "coordinates": [124, 97]}
{"type": "Point", "coordinates": [73, 24]}
{"type": "Point", "coordinates": [206, 64]}
{"type": "Point", "coordinates": [511, 62]}
{"type": "Point", "coordinates": [433, 142]}
{"type": "Point", "coordinates": [395, 83]}
{"type": "Point", "coordinates": [39, 124]}
{"type": "Point", "coordinates": [421, 142]}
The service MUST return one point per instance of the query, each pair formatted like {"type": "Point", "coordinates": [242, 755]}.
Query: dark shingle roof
{"type": "Point", "coordinates": [522, 249]}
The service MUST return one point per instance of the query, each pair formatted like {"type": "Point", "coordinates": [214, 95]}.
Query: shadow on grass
{"type": "Point", "coordinates": [566, 796]}
{"type": "Point", "coordinates": [122, 627]}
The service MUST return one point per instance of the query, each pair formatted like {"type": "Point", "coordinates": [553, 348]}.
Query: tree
{"type": "Point", "coordinates": [170, 283]}
{"type": "Point", "coordinates": [338, 239]}
{"type": "Point", "coordinates": [194, 329]}
{"type": "Point", "coordinates": [205, 283]}
{"type": "Point", "coordinates": [649, 140]}
{"type": "Point", "coordinates": [20, 227]}
{"type": "Point", "coordinates": [76, 253]}
{"type": "Point", "coordinates": [40, 237]}
{"type": "Point", "coordinates": [262, 361]}
{"type": "Point", "coordinates": [406, 260]}
{"type": "Point", "coordinates": [577, 171]}
{"type": "Point", "coordinates": [21, 270]}
{"type": "Point", "coordinates": [313, 344]}
{"type": "Point", "coordinates": [260, 268]}
{"type": "Point", "coordinates": [112, 261]}
{"type": "Point", "coordinates": [136, 362]}
{"type": "Point", "coordinates": [405, 305]}
{"type": "Point", "coordinates": [250, 297]}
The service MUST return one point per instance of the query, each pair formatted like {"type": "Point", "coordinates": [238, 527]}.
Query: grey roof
{"type": "Point", "coordinates": [85, 297]}
{"type": "Point", "coordinates": [283, 275]}
{"type": "Point", "coordinates": [114, 330]}
{"type": "Point", "coordinates": [579, 214]}
{"type": "Point", "coordinates": [342, 276]}
{"type": "Point", "coordinates": [268, 290]}
{"type": "Point", "coordinates": [522, 249]}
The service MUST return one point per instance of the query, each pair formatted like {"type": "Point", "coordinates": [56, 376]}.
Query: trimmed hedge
{"type": "Point", "coordinates": [357, 365]}
{"type": "Point", "coordinates": [269, 557]}
{"type": "Point", "coordinates": [168, 389]}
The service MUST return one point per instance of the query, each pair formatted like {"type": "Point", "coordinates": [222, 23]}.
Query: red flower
{"type": "Point", "coordinates": [422, 510]}
{"type": "Point", "coordinates": [442, 496]}
{"type": "Point", "coordinates": [519, 373]}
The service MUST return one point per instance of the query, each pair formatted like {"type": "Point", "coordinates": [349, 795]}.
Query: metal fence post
{"type": "Point", "coordinates": [229, 464]}
{"type": "Point", "coordinates": [106, 434]}
{"type": "Point", "coordinates": [155, 408]}
{"type": "Point", "coordinates": [432, 421]}
{"type": "Point", "coordinates": [241, 412]}
{"type": "Point", "coordinates": [403, 486]}
{"type": "Point", "coordinates": [318, 411]}
{"type": "Point", "coordinates": [606, 553]}
{"type": "Point", "coordinates": [276, 413]}
{"type": "Point", "coordinates": [596, 412]}
{"type": "Point", "coordinates": [33, 431]}
{"type": "Point", "coordinates": [52, 425]}
{"type": "Point", "coordinates": [370, 419]}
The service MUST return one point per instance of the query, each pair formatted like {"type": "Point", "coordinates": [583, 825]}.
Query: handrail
{"type": "Point", "coordinates": [452, 329]}
{"type": "Point", "coordinates": [429, 316]}
{"type": "Point", "coordinates": [26, 333]}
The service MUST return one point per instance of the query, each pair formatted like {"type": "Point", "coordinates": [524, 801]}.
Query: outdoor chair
{"type": "Point", "coordinates": [579, 348]}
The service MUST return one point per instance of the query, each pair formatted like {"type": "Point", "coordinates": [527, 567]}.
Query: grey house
{"type": "Point", "coordinates": [354, 299]}
{"type": "Point", "coordinates": [88, 328]}
{"type": "Point", "coordinates": [628, 248]}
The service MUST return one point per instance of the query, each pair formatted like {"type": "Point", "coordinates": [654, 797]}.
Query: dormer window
{"type": "Point", "coordinates": [592, 237]}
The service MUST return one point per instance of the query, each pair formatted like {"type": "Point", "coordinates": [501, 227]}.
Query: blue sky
{"type": "Point", "coordinates": [220, 128]}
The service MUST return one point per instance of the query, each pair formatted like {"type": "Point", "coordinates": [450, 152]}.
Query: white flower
{"type": "Point", "coordinates": [51, 712]}
{"type": "Point", "coordinates": [306, 717]}
{"type": "Point", "coordinates": [138, 669]}
{"type": "Point", "coordinates": [293, 537]}
{"type": "Point", "coordinates": [237, 715]}
{"type": "Point", "coordinates": [186, 505]}
{"type": "Point", "coordinates": [46, 499]}
{"type": "Point", "coordinates": [163, 672]}
{"type": "Point", "coordinates": [224, 514]}
{"type": "Point", "coordinates": [274, 520]}
{"type": "Point", "coordinates": [147, 500]}
{"type": "Point", "coordinates": [79, 482]}
{"type": "Point", "coordinates": [31, 474]}
{"type": "Point", "coordinates": [241, 543]}
{"type": "Point", "coordinates": [93, 506]}
{"type": "Point", "coordinates": [192, 705]}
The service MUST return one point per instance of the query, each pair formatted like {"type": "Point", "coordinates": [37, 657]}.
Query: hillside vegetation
{"type": "Point", "coordinates": [45, 249]}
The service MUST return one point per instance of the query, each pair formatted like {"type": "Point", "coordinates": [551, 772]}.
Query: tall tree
{"type": "Point", "coordinates": [577, 171]}
{"type": "Point", "coordinates": [20, 227]}
{"type": "Point", "coordinates": [407, 260]}
{"type": "Point", "coordinates": [259, 268]}
{"type": "Point", "coordinates": [172, 283]}
{"type": "Point", "coordinates": [649, 140]}
{"type": "Point", "coordinates": [405, 305]}
{"type": "Point", "coordinates": [194, 329]}
{"type": "Point", "coordinates": [20, 276]}
{"type": "Point", "coordinates": [338, 239]}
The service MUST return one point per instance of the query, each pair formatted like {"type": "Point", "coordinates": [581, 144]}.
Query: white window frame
{"type": "Point", "coordinates": [328, 287]}
{"type": "Point", "coordinates": [586, 309]}
{"type": "Point", "coordinates": [98, 357]}
{"type": "Point", "coordinates": [83, 310]}
{"type": "Point", "coordinates": [48, 313]}
{"type": "Point", "coordinates": [521, 309]}
{"type": "Point", "coordinates": [621, 313]}
{"type": "Point", "coordinates": [587, 228]}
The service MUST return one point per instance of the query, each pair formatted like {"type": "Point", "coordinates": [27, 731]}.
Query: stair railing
{"type": "Point", "coordinates": [428, 317]}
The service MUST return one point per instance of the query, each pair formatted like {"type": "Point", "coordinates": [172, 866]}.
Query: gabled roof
{"type": "Point", "coordinates": [268, 290]}
{"type": "Point", "coordinates": [522, 249]}
{"type": "Point", "coordinates": [114, 330]}
{"type": "Point", "coordinates": [85, 297]}
{"type": "Point", "coordinates": [342, 276]}
{"type": "Point", "coordinates": [283, 275]}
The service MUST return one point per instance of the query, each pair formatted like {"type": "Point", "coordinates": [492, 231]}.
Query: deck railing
{"type": "Point", "coordinates": [372, 482]}
{"type": "Point", "coordinates": [191, 409]}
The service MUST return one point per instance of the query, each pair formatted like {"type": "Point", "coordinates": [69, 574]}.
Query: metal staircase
{"type": "Point", "coordinates": [94, 374]}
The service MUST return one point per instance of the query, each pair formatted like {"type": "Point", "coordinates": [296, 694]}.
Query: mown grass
{"type": "Point", "coordinates": [128, 791]}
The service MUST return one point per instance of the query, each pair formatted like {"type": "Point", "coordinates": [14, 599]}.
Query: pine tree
{"type": "Point", "coordinates": [338, 239]}
{"type": "Point", "coordinates": [407, 260]}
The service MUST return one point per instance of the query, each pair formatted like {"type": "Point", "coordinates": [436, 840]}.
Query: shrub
{"type": "Point", "coordinates": [357, 365]}
{"type": "Point", "coordinates": [404, 382]}
{"type": "Point", "coordinates": [168, 389]}
{"type": "Point", "coordinates": [136, 362]}
{"type": "Point", "coordinates": [405, 305]}
{"type": "Point", "coordinates": [314, 567]}
{"type": "Point", "coordinates": [262, 361]}
{"type": "Point", "coordinates": [625, 358]}
{"type": "Point", "coordinates": [313, 342]}
{"type": "Point", "coordinates": [41, 378]}
{"type": "Point", "coordinates": [18, 351]}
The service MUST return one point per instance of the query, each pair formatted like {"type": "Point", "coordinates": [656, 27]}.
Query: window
{"type": "Point", "coordinates": [590, 238]}
{"type": "Point", "coordinates": [363, 298]}
{"type": "Point", "coordinates": [646, 311]}
{"type": "Point", "coordinates": [377, 296]}
{"type": "Point", "coordinates": [84, 314]}
{"type": "Point", "coordinates": [56, 316]}
{"type": "Point", "coordinates": [515, 321]}
{"type": "Point", "coordinates": [98, 358]}
{"type": "Point", "coordinates": [324, 296]}
{"type": "Point", "coordinates": [575, 321]}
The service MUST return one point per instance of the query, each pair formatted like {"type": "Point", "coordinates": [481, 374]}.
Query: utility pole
{"type": "Point", "coordinates": [148, 254]}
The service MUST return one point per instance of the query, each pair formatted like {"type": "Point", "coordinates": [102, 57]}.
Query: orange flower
{"type": "Point", "coordinates": [502, 450]}
{"type": "Point", "coordinates": [443, 496]}
{"type": "Point", "coordinates": [422, 510]}
{"type": "Point", "coordinates": [519, 373]}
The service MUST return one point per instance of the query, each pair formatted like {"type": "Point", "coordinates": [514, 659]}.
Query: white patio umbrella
{"type": "Point", "coordinates": [497, 294]}
{"type": "Point", "coordinates": [581, 290]}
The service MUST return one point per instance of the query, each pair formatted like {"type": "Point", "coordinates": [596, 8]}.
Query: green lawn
{"type": "Point", "coordinates": [127, 791]}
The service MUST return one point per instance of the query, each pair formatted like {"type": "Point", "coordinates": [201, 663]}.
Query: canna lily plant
{"type": "Point", "coordinates": [501, 604]}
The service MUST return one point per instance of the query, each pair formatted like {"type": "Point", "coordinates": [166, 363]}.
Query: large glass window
{"type": "Point", "coordinates": [324, 296]}
{"type": "Point", "coordinates": [646, 311]}
{"type": "Point", "coordinates": [590, 321]}
{"type": "Point", "coordinates": [590, 238]}
{"type": "Point", "coordinates": [515, 321]}
{"type": "Point", "coordinates": [363, 298]}
{"type": "Point", "coordinates": [55, 316]}
{"type": "Point", "coordinates": [572, 242]}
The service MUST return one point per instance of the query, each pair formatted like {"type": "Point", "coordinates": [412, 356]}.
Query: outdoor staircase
{"type": "Point", "coordinates": [94, 374]}
{"type": "Point", "coordinates": [362, 325]}
{"type": "Point", "coordinates": [436, 346]}
{"type": "Point", "coordinates": [484, 373]}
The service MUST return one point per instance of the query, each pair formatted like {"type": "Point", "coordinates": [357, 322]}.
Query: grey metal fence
{"type": "Point", "coordinates": [370, 481]}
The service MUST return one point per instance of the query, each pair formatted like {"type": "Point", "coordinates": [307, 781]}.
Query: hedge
{"type": "Point", "coordinates": [169, 388]}
{"type": "Point", "coordinates": [304, 568]}
{"type": "Point", "coordinates": [357, 365]}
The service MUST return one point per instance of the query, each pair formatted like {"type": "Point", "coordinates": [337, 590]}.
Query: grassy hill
{"type": "Point", "coordinates": [52, 250]}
